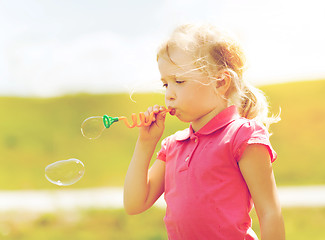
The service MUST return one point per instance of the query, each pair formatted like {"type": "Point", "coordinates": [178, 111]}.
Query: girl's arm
{"type": "Point", "coordinates": [142, 187]}
{"type": "Point", "coordinates": [256, 168]}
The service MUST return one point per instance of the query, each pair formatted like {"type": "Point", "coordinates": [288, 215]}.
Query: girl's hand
{"type": "Point", "coordinates": [154, 131]}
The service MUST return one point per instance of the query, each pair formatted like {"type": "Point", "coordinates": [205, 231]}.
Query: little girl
{"type": "Point", "coordinates": [212, 172]}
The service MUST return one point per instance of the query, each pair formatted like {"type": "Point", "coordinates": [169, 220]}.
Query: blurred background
{"type": "Point", "coordinates": [64, 61]}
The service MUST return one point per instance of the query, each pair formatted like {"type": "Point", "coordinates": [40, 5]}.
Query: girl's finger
{"type": "Point", "coordinates": [156, 109]}
{"type": "Point", "coordinates": [149, 112]}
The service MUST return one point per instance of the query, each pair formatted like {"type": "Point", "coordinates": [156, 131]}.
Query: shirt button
{"type": "Point", "coordinates": [187, 158]}
{"type": "Point", "coordinates": [195, 140]}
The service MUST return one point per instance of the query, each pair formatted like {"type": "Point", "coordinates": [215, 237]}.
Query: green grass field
{"type": "Point", "coordinates": [301, 224]}
{"type": "Point", "coordinates": [299, 137]}
{"type": "Point", "coordinates": [35, 132]}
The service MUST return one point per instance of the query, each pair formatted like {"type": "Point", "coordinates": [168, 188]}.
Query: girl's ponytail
{"type": "Point", "coordinates": [249, 100]}
{"type": "Point", "coordinates": [254, 105]}
{"type": "Point", "coordinates": [248, 104]}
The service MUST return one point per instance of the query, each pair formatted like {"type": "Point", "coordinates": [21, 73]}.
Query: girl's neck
{"type": "Point", "coordinates": [201, 122]}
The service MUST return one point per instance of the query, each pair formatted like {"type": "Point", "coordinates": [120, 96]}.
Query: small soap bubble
{"type": "Point", "coordinates": [92, 127]}
{"type": "Point", "coordinates": [65, 172]}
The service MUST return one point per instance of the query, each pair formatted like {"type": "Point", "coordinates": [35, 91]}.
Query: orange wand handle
{"type": "Point", "coordinates": [142, 118]}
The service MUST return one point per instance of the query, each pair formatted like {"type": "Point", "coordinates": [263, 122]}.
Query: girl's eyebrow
{"type": "Point", "coordinates": [168, 77]}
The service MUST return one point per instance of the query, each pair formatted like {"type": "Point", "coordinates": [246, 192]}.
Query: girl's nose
{"type": "Point", "coordinates": [170, 94]}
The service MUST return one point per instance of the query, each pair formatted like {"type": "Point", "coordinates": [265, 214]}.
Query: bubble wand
{"type": "Point", "coordinates": [68, 172]}
{"type": "Point", "coordinates": [93, 127]}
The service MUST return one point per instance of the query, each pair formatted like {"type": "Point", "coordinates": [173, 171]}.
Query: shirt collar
{"type": "Point", "coordinates": [222, 119]}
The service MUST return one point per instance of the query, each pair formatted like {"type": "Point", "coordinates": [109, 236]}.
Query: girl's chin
{"type": "Point", "coordinates": [183, 118]}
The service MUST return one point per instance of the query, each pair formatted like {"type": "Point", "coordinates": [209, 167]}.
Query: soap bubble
{"type": "Point", "coordinates": [92, 127]}
{"type": "Point", "coordinates": [65, 172]}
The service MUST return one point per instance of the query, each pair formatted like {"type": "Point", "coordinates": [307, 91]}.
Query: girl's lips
{"type": "Point", "coordinates": [172, 111]}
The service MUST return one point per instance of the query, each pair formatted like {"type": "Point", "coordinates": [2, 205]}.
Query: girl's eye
{"type": "Point", "coordinates": [165, 85]}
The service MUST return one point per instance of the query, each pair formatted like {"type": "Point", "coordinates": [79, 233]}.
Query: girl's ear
{"type": "Point", "coordinates": [224, 82]}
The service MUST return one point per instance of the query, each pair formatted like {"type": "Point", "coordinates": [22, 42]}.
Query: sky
{"type": "Point", "coordinates": [55, 47]}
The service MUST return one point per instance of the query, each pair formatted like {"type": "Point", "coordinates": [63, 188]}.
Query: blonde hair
{"type": "Point", "coordinates": [213, 51]}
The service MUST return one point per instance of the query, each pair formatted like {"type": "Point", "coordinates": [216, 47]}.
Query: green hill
{"type": "Point", "coordinates": [35, 132]}
{"type": "Point", "coordinates": [299, 138]}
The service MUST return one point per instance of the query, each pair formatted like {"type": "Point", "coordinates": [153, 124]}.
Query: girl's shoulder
{"type": "Point", "coordinates": [247, 123]}
{"type": "Point", "coordinates": [246, 132]}
{"type": "Point", "coordinates": [244, 126]}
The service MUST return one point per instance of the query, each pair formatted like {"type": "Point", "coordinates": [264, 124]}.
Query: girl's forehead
{"type": "Point", "coordinates": [179, 56]}
{"type": "Point", "coordinates": [177, 63]}
{"type": "Point", "coordinates": [169, 70]}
